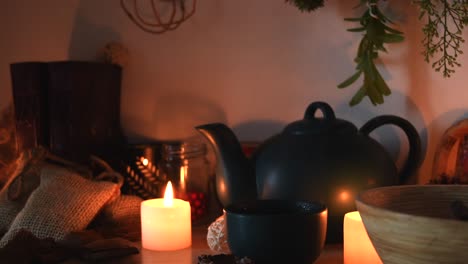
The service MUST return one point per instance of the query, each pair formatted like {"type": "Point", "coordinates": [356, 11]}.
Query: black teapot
{"type": "Point", "coordinates": [322, 159]}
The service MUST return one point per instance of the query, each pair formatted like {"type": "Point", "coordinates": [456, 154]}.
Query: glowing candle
{"type": "Point", "coordinates": [183, 176]}
{"type": "Point", "coordinates": [165, 223]}
{"type": "Point", "coordinates": [357, 247]}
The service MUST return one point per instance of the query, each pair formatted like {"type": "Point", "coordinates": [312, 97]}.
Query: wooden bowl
{"type": "Point", "coordinates": [416, 223]}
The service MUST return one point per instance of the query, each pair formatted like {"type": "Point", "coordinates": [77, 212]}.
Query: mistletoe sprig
{"type": "Point", "coordinates": [377, 33]}
{"type": "Point", "coordinates": [443, 32]}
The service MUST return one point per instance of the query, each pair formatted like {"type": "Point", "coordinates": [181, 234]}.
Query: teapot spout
{"type": "Point", "coordinates": [235, 176]}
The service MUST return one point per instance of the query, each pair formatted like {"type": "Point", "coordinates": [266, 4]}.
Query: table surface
{"type": "Point", "coordinates": [332, 254]}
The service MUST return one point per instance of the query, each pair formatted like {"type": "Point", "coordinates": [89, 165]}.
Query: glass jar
{"type": "Point", "coordinates": [185, 164]}
{"type": "Point", "coordinates": [451, 157]}
{"type": "Point", "coordinates": [139, 170]}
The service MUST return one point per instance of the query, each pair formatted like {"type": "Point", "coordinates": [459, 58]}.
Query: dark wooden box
{"type": "Point", "coordinates": [73, 107]}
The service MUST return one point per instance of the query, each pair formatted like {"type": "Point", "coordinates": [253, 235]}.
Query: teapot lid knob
{"type": "Point", "coordinates": [326, 124]}
{"type": "Point", "coordinates": [326, 109]}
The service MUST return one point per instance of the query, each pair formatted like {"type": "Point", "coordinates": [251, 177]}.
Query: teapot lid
{"type": "Point", "coordinates": [318, 125]}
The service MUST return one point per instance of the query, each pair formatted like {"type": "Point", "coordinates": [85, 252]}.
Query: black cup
{"type": "Point", "coordinates": [277, 231]}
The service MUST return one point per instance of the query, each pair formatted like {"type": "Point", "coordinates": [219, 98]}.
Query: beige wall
{"type": "Point", "coordinates": [253, 64]}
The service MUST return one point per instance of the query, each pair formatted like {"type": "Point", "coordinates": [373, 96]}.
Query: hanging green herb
{"type": "Point", "coordinates": [377, 33]}
{"type": "Point", "coordinates": [443, 30]}
{"type": "Point", "coordinates": [306, 5]}
{"type": "Point", "coordinates": [443, 37]}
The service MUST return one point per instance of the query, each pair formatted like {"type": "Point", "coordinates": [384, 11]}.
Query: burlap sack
{"type": "Point", "coordinates": [20, 185]}
{"type": "Point", "coordinates": [64, 202]}
{"type": "Point", "coordinates": [121, 218]}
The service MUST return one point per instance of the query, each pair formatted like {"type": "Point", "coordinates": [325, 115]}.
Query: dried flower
{"type": "Point", "coordinates": [114, 53]}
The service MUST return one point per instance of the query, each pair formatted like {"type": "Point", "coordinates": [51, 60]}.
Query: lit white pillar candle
{"type": "Point", "coordinates": [166, 223]}
{"type": "Point", "coordinates": [357, 247]}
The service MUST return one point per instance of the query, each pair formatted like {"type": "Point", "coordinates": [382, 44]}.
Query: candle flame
{"type": "Point", "coordinates": [169, 195]}
{"type": "Point", "coordinates": [145, 161]}
{"type": "Point", "coordinates": [183, 175]}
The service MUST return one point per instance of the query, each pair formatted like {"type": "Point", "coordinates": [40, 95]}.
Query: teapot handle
{"type": "Point", "coordinates": [415, 153]}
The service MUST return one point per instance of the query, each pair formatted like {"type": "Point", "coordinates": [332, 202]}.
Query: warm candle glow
{"type": "Point", "coordinates": [166, 222]}
{"type": "Point", "coordinates": [169, 195]}
{"type": "Point", "coordinates": [357, 247]}
{"type": "Point", "coordinates": [344, 196]}
{"type": "Point", "coordinates": [183, 176]}
{"type": "Point", "coordinates": [145, 161]}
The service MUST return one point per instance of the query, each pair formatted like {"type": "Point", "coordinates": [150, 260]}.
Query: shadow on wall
{"type": "Point", "coordinates": [258, 130]}
{"type": "Point", "coordinates": [87, 37]}
{"type": "Point", "coordinates": [173, 117]}
{"type": "Point", "coordinates": [418, 83]}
